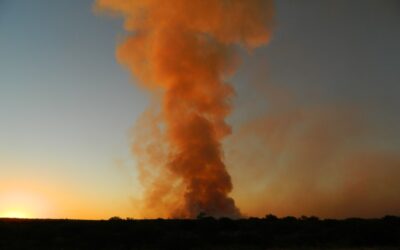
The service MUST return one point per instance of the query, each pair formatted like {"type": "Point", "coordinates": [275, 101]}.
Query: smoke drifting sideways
{"type": "Point", "coordinates": [183, 52]}
{"type": "Point", "coordinates": [311, 158]}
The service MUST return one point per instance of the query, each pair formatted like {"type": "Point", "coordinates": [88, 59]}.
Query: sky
{"type": "Point", "coordinates": [68, 107]}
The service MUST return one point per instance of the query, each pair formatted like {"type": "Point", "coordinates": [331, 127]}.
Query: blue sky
{"type": "Point", "coordinates": [66, 105]}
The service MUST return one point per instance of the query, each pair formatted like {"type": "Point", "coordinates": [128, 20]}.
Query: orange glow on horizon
{"type": "Point", "coordinates": [30, 199]}
{"type": "Point", "coordinates": [17, 203]}
{"type": "Point", "coordinates": [15, 213]}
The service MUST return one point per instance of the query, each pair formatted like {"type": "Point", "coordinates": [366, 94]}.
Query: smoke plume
{"type": "Point", "coordinates": [182, 52]}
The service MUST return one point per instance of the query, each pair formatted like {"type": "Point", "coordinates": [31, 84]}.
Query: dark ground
{"type": "Point", "coordinates": [204, 233]}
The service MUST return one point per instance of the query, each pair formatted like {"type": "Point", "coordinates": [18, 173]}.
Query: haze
{"type": "Point", "coordinates": [315, 121]}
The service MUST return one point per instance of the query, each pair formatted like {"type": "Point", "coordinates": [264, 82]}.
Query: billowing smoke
{"type": "Point", "coordinates": [183, 51]}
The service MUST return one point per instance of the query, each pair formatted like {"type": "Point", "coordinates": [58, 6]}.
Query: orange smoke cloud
{"type": "Point", "coordinates": [183, 51]}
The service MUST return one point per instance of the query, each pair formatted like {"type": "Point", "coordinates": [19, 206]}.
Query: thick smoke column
{"type": "Point", "coordinates": [184, 50]}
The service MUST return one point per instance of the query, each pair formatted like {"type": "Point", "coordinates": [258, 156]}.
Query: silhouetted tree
{"type": "Point", "coordinates": [115, 218]}
{"type": "Point", "coordinates": [271, 217]}
{"type": "Point", "coordinates": [201, 215]}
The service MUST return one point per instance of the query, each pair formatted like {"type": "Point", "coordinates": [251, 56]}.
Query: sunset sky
{"type": "Point", "coordinates": [315, 115]}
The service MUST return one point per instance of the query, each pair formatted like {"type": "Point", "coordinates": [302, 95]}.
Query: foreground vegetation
{"type": "Point", "coordinates": [202, 233]}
